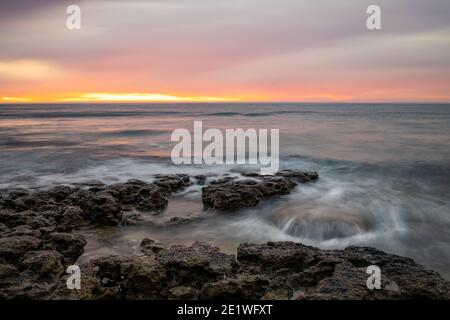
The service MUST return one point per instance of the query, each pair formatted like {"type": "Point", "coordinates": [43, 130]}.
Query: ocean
{"type": "Point", "coordinates": [384, 171]}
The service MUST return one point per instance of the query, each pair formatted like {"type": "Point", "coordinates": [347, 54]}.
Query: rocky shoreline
{"type": "Point", "coordinates": [39, 240]}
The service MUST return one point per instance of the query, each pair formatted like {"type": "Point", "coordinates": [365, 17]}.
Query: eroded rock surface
{"type": "Point", "coordinates": [283, 270]}
{"type": "Point", "coordinates": [38, 241]}
{"type": "Point", "coordinates": [231, 194]}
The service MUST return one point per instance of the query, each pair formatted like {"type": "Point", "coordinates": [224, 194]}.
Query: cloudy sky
{"type": "Point", "coordinates": [208, 50]}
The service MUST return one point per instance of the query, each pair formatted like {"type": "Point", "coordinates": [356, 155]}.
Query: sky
{"type": "Point", "coordinates": [225, 50]}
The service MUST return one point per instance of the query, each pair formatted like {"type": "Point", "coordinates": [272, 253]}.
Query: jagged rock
{"type": "Point", "coordinates": [151, 198]}
{"type": "Point", "coordinates": [69, 218]}
{"type": "Point", "coordinates": [60, 193]}
{"type": "Point", "coordinates": [288, 255]}
{"type": "Point", "coordinates": [91, 287]}
{"type": "Point", "coordinates": [173, 182]}
{"type": "Point", "coordinates": [3, 229]}
{"type": "Point", "coordinates": [36, 246]}
{"type": "Point", "coordinates": [247, 287]}
{"type": "Point", "coordinates": [12, 248]}
{"type": "Point", "coordinates": [33, 219]}
{"type": "Point", "coordinates": [71, 246]}
{"type": "Point", "coordinates": [126, 193]}
{"type": "Point", "coordinates": [9, 276]}
{"type": "Point", "coordinates": [231, 194]}
{"type": "Point", "coordinates": [44, 265]}
{"type": "Point", "coordinates": [150, 246]}
{"type": "Point", "coordinates": [196, 264]}
{"type": "Point", "coordinates": [24, 230]}
{"type": "Point", "coordinates": [300, 176]}
{"type": "Point", "coordinates": [103, 209]}
{"type": "Point", "coordinates": [138, 277]}
{"type": "Point", "coordinates": [340, 274]}
{"type": "Point", "coordinates": [282, 270]}
{"type": "Point", "coordinates": [201, 179]}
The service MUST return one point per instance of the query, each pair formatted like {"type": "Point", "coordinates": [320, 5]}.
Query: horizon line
{"type": "Point", "coordinates": [222, 102]}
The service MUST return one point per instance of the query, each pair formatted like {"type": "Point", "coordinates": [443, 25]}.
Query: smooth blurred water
{"type": "Point", "coordinates": [384, 171]}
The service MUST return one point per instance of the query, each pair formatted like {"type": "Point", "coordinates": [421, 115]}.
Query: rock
{"type": "Point", "coordinates": [149, 246]}
{"type": "Point", "coordinates": [3, 229]}
{"type": "Point", "coordinates": [231, 194]}
{"type": "Point", "coordinates": [32, 219]}
{"type": "Point", "coordinates": [300, 176]}
{"type": "Point", "coordinates": [151, 198]}
{"type": "Point", "coordinates": [246, 287]}
{"type": "Point", "coordinates": [60, 193]}
{"type": "Point", "coordinates": [42, 265]}
{"type": "Point", "coordinates": [126, 193]}
{"type": "Point", "coordinates": [288, 255]}
{"type": "Point", "coordinates": [69, 218]}
{"type": "Point", "coordinates": [338, 274]}
{"type": "Point", "coordinates": [89, 183]}
{"type": "Point", "coordinates": [101, 208]}
{"type": "Point", "coordinates": [148, 197]}
{"type": "Point", "coordinates": [172, 182]}
{"type": "Point", "coordinates": [195, 265]}
{"type": "Point", "coordinates": [201, 179]}
{"type": "Point", "coordinates": [71, 246]}
{"type": "Point", "coordinates": [78, 198]}
{"type": "Point", "coordinates": [137, 277]}
{"type": "Point", "coordinates": [26, 202]}
{"type": "Point", "coordinates": [12, 248]}
{"type": "Point", "coordinates": [311, 276]}
{"type": "Point", "coordinates": [182, 293]}
{"type": "Point", "coordinates": [228, 194]}
{"type": "Point", "coordinates": [24, 230]}
{"type": "Point", "coordinates": [8, 196]}
{"type": "Point", "coordinates": [91, 287]}
{"type": "Point", "coordinates": [281, 270]}
{"type": "Point", "coordinates": [9, 276]}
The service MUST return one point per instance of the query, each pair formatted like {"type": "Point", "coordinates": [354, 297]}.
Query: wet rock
{"type": "Point", "coordinates": [282, 270]}
{"type": "Point", "coordinates": [91, 287]}
{"type": "Point", "coordinates": [71, 246]}
{"type": "Point", "coordinates": [26, 202]}
{"type": "Point", "coordinates": [8, 196]}
{"type": "Point", "coordinates": [150, 246]}
{"type": "Point", "coordinates": [12, 248]}
{"type": "Point", "coordinates": [151, 198]}
{"type": "Point", "coordinates": [44, 265]}
{"type": "Point", "coordinates": [69, 218]}
{"type": "Point", "coordinates": [195, 265]}
{"type": "Point", "coordinates": [101, 208]}
{"type": "Point", "coordinates": [231, 194]}
{"type": "Point", "coordinates": [311, 276]}
{"type": "Point", "coordinates": [60, 193]}
{"type": "Point", "coordinates": [288, 255]}
{"type": "Point", "coordinates": [126, 193]}
{"type": "Point", "coordinates": [300, 176]}
{"type": "Point", "coordinates": [3, 229]}
{"type": "Point", "coordinates": [137, 277]}
{"type": "Point", "coordinates": [24, 230]}
{"type": "Point", "coordinates": [78, 197]}
{"type": "Point", "coordinates": [89, 183]}
{"type": "Point", "coordinates": [339, 274]}
{"type": "Point", "coordinates": [9, 276]}
{"type": "Point", "coordinates": [173, 182]}
{"type": "Point", "coordinates": [228, 194]}
{"type": "Point", "coordinates": [201, 179]}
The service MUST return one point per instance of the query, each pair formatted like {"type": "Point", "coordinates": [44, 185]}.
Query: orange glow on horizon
{"type": "Point", "coordinates": [136, 97]}
{"type": "Point", "coordinates": [116, 97]}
